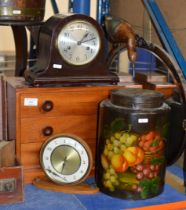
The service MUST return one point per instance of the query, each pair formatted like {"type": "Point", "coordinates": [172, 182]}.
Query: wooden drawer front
{"type": "Point", "coordinates": [30, 153]}
{"type": "Point", "coordinates": [82, 126]}
{"type": "Point", "coordinates": [67, 103]}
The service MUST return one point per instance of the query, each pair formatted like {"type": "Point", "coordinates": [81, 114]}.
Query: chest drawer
{"type": "Point", "coordinates": [35, 129]}
{"type": "Point", "coordinates": [62, 103]}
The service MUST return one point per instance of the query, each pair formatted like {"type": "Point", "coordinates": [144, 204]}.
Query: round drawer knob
{"type": "Point", "coordinates": [47, 106]}
{"type": "Point", "coordinates": [47, 131]}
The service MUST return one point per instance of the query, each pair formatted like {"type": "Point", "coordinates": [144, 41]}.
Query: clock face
{"type": "Point", "coordinates": [78, 42]}
{"type": "Point", "coordinates": [66, 159]}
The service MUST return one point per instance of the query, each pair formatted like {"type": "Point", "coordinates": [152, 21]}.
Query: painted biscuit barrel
{"type": "Point", "coordinates": [132, 135]}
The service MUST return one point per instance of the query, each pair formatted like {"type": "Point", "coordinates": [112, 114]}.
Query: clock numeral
{"type": "Point", "coordinates": [67, 49]}
{"type": "Point", "coordinates": [82, 172]}
{"type": "Point", "coordinates": [49, 149]}
{"type": "Point", "coordinates": [77, 58]}
{"type": "Point", "coordinates": [83, 162]}
{"type": "Point", "coordinates": [79, 26]}
{"type": "Point", "coordinates": [46, 158]}
{"type": "Point", "coordinates": [70, 56]}
{"type": "Point", "coordinates": [66, 34]}
{"type": "Point", "coordinates": [92, 35]}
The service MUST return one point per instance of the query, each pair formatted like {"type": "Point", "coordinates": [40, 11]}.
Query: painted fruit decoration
{"type": "Point", "coordinates": [133, 162]}
{"type": "Point", "coordinates": [151, 142]}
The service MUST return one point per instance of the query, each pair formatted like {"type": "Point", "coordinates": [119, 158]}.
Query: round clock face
{"type": "Point", "coordinates": [66, 159]}
{"type": "Point", "coordinates": [78, 42]}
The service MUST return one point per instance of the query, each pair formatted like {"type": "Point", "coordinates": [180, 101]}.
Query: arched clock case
{"type": "Point", "coordinates": [72, 50]}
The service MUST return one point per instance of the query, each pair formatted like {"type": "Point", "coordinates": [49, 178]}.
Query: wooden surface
{"type": "Point", "coordinates": [83, 188]}
{"type": "Point", "coordinates": [151, 76]}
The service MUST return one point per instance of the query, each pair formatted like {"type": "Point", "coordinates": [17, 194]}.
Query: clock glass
{"type": "Point", "coordinates": [66, 159]}
{"type": "Point", "coordinates": [78, 42]}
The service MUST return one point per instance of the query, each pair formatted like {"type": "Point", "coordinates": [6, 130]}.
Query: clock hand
{"type": "Point", "coordinates": [55, 174]}
{"type": "Point", "coordinates": [51, 172]}
{"type": "Point", "coordinates": [88, 40]}
{"type": "Point", "coordinates": [84, 36]}
{"type": "Point", "coordinates": [63, 164]}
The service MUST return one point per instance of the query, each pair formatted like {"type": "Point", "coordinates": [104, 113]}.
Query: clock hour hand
{"type": "Point", "coordinates": [84, 36]}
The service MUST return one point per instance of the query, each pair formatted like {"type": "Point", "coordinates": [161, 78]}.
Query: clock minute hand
{"type": "Point", "coordinates": [63, 163]}
{"type": "Point", "coordinates": [87, 40]}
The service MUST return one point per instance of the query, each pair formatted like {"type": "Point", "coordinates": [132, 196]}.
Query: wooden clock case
{"type": "Point", "coordinates": [44, 71]}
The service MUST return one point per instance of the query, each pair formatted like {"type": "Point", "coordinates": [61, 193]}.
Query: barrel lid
{"type": "Point", "coordinates": [136, 98]}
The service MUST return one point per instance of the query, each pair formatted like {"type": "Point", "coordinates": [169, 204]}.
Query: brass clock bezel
{"type": "Point", "coordinates": [52, 173]}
